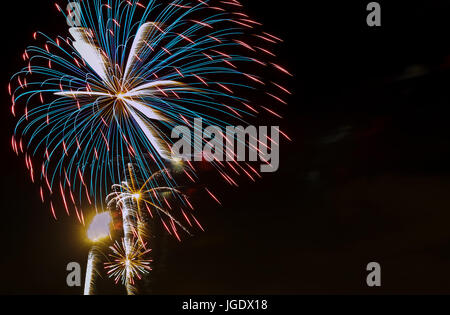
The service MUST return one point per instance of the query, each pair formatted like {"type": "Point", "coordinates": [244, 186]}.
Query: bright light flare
{"type": "Point", "coordinates": [100, 227]}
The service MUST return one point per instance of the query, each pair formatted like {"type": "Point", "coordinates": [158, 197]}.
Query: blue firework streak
{"type": "Point", "coordinates": [111, 92]}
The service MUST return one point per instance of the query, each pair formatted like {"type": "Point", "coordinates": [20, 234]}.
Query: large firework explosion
{"type": "Point", "coordinates": [134, 70]}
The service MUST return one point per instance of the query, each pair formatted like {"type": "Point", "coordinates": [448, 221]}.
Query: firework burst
{"type": "Point", "coordinates": [149, 198]}
{"type": "Point", "coordinates": [127, 265]}
{"type": "Point", "coordinates": [134, 70]}
{"type": "Point", "coordinates": [138, 204]}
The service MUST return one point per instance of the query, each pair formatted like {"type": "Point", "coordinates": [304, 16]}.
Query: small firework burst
{"type": "Point", "coordinates": [129, 262]}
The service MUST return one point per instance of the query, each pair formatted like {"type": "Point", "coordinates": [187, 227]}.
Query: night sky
{"type": "Point", "coordinates": [366, 178]}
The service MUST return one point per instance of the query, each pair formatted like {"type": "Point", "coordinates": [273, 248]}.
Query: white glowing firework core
{"type": "Point", "coordinates": [132, 99]}
{"type": "Point", "coordinates": [121, 96]}
{"type": "Point", "coordinates": [100, 227]}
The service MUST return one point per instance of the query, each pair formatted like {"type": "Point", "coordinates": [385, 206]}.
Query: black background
{"type": "Point", "coordinates": [365, 179]}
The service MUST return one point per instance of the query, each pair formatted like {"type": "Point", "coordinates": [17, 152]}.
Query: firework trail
{"type": "Point", "coordinates": [130, 224]}
{"type": "Point", "coordinates": [89, 282]}
{"type": "Point", "coordinates": [98, 230]}
{"type": "Point", "coordinates": [136, 203]}
{"type": "Point", "coordinates": [133, 70]}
